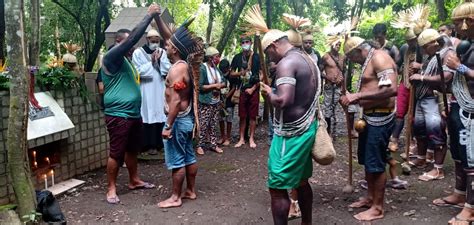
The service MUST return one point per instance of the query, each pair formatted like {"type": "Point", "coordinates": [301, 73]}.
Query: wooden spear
{"type": "Point", "coordinates": [262, 59]}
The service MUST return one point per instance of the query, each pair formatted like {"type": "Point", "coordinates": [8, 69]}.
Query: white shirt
{"type": "Point", "coordinates": [152, 85]}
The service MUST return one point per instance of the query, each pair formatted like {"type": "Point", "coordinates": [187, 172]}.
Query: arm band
{"type": "Point", "coordinates": [383, 77]}
{"type": "Point", "coordinates": [462, 69]}
{"type": "Point", "coordinates": [285, 80]}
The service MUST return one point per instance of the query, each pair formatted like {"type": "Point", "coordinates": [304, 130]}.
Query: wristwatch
{"type": "Point", "coordinates": [167, 126]}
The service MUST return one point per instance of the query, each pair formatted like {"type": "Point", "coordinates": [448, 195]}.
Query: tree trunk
{"type": "Point", "coordinates": [102, 15]}
{"type": "Point", "coordinates": [34, 42]}
{"type": "Point", "coordinates": [2, 30]}
{"type": "Point", "coordinates": [268, 8]}
{"type": "Point", "coordinates": [18, 163]}
{"type": "Point", "coordinates": [442, 13]}
{"type": "Point", "coordinates": [231, 24]}
{"type": "Point", "coordinates": [209, 22]}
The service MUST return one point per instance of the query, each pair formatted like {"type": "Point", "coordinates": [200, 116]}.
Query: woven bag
{"type": "Point", "coordinates": [323, 150]}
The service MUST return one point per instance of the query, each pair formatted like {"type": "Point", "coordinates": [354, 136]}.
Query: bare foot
{"type": "Point", "coordinates": [370, 214]}
{"type": "Point", "coordinates": [362, 203]}
{"type": "Point", "coordinates": [226, 142]}
{"type": "Point", "coordinates": [218, 150]}
{"type": "Point", "coordinates": [239, 144]}
{"type": "Point", "coordinates": [200, 151]}
{"type": "Point", "coordinates": [170, 203]}
{"type": "Point", "coordinates": [465, 217]}
{"type": "Point", "coordinates": [252, 144]}
{"type": "Point", "coordinates": [189, 195]}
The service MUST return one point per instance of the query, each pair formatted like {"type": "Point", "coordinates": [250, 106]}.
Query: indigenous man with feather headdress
{"type": "Point", "coordinates": [332, 66]}
{"type": "Point", "coordinates": [180, 158]}
{"type": "Point", "coordinates": [460, 118]}
{"type": "Point", "coordinates": [376, 91]}
{"type": "Point", "coordinates": [295, 123]}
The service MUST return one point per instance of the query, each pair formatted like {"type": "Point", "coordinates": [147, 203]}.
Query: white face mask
{"type": "Point", "coordinates": [246, 47]}
{"type": "Point", "coordinates": [153, 46]}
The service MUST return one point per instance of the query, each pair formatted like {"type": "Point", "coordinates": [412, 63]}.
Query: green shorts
{"type": "Point", "coordinates": [289, 159]}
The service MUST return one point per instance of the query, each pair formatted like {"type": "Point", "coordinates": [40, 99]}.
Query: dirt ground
{"type": "Point", "coordinates": [232, 190]}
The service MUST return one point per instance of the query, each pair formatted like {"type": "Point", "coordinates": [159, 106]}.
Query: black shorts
{"type": "Point", "coordinates": [125, 135]}
{"type": "Point", "coordinates": [373, 147]}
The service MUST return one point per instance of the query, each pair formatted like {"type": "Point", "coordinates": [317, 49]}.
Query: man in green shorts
{"type": "Point", "coordinates": [295, 99]}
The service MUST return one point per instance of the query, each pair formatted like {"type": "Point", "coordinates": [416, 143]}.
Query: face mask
{"type": "Point", "coordinates": [153, 46]}
{"type": "Point", "coordinates": [246, 47]}
{"type": "Point", "coordinates": [216, 60]}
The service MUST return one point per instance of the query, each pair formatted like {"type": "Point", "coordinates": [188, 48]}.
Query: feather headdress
{"type": "Point", "coordinates": [69, 57]}
{"type": "Point", "coordinates": [295, 22]}
{"type": "Point", "coordinates": [256, 23]}
{"type": "Point", "coordinates": [415, 18]}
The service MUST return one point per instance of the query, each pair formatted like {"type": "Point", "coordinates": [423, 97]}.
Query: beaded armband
{"type": "Point", "coordinates": [462, 69]}
{"type": "Point", "coordinates": [285, 80]}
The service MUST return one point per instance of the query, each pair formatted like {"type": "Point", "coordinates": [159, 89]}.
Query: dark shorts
{"type": "Point", "coordinates": [456, 131]}
{"type": "Point", "coordinates": [152, 135]}
{"type": "Point", "coordinates": [125, 135]}
{"type": "Point", "coordinates": [248, 104]}
{"type": "Point", "coordinates": [372, 147]}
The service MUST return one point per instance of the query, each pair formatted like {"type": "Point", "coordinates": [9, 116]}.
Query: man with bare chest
{"type": "Point", "coordinates": [295, 124]}
{"type": "Point", "coordinates": [332, 66]}
{"type": "Point", "coordinates": [376, 91]}
{"type": "Point", "coordinates": [461, 115]}
{"type": "Point", "coordinates": [180, 157]}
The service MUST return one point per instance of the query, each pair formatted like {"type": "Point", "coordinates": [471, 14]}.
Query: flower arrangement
{"type": "Point", "coordinates": [54, 76]}
{"type": "Point", "coordinates": [4, 77]}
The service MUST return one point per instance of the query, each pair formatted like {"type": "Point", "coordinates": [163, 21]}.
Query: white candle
{"type": "Point", "coordinates": [45, 181]}
{"type": "Point", "coordinates": [52, 177]}
{"type": "Point", "coordinates": [35, 164]}
{"type": "Point", "coordinates": [47, 160]}
{"type": "Point", "coordinates": [34, 154]}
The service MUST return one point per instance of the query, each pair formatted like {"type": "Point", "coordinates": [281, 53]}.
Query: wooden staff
{"type": "Point", "coordinates": [348, 188]}
{"type": "Point", "coordinates": [443, 84]}
{"type": "Point", "coordinates": [262, 59]}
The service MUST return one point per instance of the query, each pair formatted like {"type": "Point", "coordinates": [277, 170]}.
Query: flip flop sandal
{"type": "Point", "coordinates": [446, 203]}
{"type": "Point", "coordinates": [458, 220]}
{"type": "Point", "coordinates": [113, 200]}
{"type": "Point", "coordinates": [412, 164]}
{"type": "Point", "coordinates": [427, 177]}
{"type": "Point", "coordinates": [145, 185]}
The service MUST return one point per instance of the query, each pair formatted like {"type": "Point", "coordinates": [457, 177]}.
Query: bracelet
{"type": "Point", "coordinates": [462, 69]}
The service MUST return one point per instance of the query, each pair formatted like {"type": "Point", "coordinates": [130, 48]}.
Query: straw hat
{"type": "Point", "coordinates": [152, 33]}
{"type": "Point", "coordinates": [427, 36]}
{"type": "Point", "coordinates": [352, 43]}
{"type": "Point", "coordinates": [464, 11]}
{"type": "Point", "coordinates": [272, 36]}
{"type": "Point", "coordinates": [69, 57]}
{"type": "Point", "coordinates": [210, 51]}
{"type": "Point", "coordinates": [410, 34]}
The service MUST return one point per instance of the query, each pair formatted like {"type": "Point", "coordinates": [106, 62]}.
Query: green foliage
{"type": "Point", "coordinates": [4, 81]}
{"type": "Point", "coordinates": [32, 218]}
{"type": "Point", "coordinates": [381, 16]}
{"type": "Point", "coordinates": [56, 78]}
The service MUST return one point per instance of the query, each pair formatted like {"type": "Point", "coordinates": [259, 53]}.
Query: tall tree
{"type": "Point", "coordinates": [92, 17]}
{"type": "Point", "coordinates": [34, 39]}
{"type": "Point", "coordinates": [2, 30]}
{"type": "Point", "coordinates": [442, 13]}
{"type": "Point", "coordinates": [210, 20]}
{"type": "Point", "coordinates": [236, 11]}
{"type": "Point", "coordinates": [268, 9]}
{"type": "Point", "coordinates": [17, 122]}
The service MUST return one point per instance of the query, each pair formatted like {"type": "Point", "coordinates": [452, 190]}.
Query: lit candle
{"type": "Point", "coordinates": [45, 181]}
{"type": "Point", "coordinates": [35, 165]}
{"type": "Point", "coordinates": [52, 177]}
{"type": "Point", "coordinates": [34, 154]}
{"type": "Point", "coordinates": [47, 160]}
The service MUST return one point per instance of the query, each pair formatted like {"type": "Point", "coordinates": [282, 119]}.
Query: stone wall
{"type": "Point", "coordinates": [83, 148]}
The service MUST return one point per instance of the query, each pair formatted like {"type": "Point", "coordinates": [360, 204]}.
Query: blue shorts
{"type": "Point", "coordinates": [372, 147]}
{"type": "Point", "coordinates": [179, 151]}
